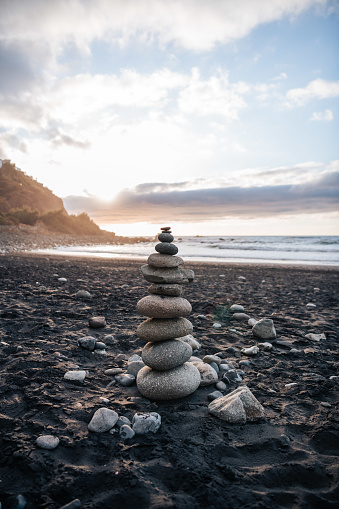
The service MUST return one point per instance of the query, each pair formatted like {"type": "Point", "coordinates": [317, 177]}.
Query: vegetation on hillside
{"type": "Point", "coordinates": [23, 200]}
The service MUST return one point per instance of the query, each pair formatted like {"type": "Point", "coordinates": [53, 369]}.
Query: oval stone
{"type": "Point", "coordinates": [166, 354]}
{"type": "Point", "coordinates": [170, 290]}
{"type": "Point", "coordinates": [164, 260]}
{"type": "Point", "coordinates": [165, 237]}
{"type": "Point", "coordinates": [207, 374]}
{"type": "Point", "coordinates": [157, 306]}
{"type": "Point", "coordinates": [171, 384]}
{"type": "Point", "coordinates": [164, 275]}
{"type": "Point", "coordinates": [158, 329]}
{"type": "Point", "coordinates": [166, 248]}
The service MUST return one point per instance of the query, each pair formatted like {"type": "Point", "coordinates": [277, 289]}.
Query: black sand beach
{"type": "Point", "coordinates": [195, 460]}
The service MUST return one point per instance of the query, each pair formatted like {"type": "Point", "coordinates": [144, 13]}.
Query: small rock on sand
{"type": "Point", "coordinates": [208, 375]}
{"type": "Point", "coordinates": [238, 407]}
{"type": "Point", "coordinates": [103, 420]}
{"type": "Point", "coordinates": [97, 322]}
{"type": "Point", "coordinates": [47, 442]}
{"type": "Point", "coordinates": [79, 375]}
{"type": "Point", "coordinates": [264, 329]}
{"type": "Point", "coordinates": [146, 423]}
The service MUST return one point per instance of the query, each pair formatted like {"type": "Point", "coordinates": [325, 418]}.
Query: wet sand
{"type": "Point", "coordinates": [195, 460]}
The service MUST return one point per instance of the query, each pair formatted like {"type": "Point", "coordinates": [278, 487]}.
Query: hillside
{"type": "Point", "coordinates": [23, 200]}
{"type": "Point", "coordinates": [19, 191]}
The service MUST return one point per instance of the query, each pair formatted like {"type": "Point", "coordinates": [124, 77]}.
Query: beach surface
{"type": "Point", "coordinates": [195, 460]}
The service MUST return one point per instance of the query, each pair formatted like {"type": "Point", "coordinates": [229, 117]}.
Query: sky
{"type": "Point", "coordinates": [216, 117]}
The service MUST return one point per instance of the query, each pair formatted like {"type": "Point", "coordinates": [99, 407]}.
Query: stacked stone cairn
{"type": "Point", "coordinates": [167, 374]}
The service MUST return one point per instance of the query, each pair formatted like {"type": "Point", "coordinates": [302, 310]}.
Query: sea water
{"type": "Point", "coordinates": [317, 250]}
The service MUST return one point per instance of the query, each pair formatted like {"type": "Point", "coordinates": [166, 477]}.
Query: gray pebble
{"type": "Point", "coordinates": [146, 423]}
{"type": "Point", "coordinates": [103, 420]}
{"type": "Point", "coordinates": [75, 504]}
{"type": "Point", "coordinates": [245, 363]}
{"type": "Point", "coordinates": [123, 420]}
{"type": "Point", "coordinates": [214, 365]}
{"type": "Point", "coordinates": [214, 395]}
{"type": "Point", "coordinates": [134, 357]}
{"type": "Point", "coordinates": [223, 368]}
{"type": "Point", "coordinates": [126, 432]}
{"type": "Point", "coordinates": [82, 294]}
{"type": "Point", "coordinates": [134, 367]}
{"type": "Point", "coordinates": [125, 380]}
{"type": "Point", "coordinates": [87, 342]}
{"type": "Point", "coordinates": [100, 346]}
{"type": "Point", "coordinates": [49, 442]}
{"type": "Point", "coordinates": [232, 376]}
{"type": "Point", "coordinates": [221, 386]}
{"type": "Point", "coordinates": [113, 371]}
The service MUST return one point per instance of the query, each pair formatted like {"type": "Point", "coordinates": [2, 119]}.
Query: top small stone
{"type": "Point", "coordinates": [165, 229]}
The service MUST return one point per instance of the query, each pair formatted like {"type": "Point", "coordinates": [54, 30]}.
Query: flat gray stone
{"type": "Point", "coordinates": [134, 367]}
{"type": "Point", "coordinates": [165, 355]}
{"type": "Point", "coordinates": [208, 375]}
{"type": "Point", "coordinates": [211, 358]}
{"type": "Point", "coordinates": [172, 384]}
{"type": "Point", "coordinates": [103, 420]}
{"type": "Point", "coordinates": [166, 248]}
{"type": "Point", "coordinates": [82, 294]}
{"type": "Point", "coordinates": [240, 317]}
{"type": "Point", "coordinates": [251, 351]}
{"type": "Point", "coordinates": [123, 420]}
{"type": "Point", "coordinates": [113, 371]}
{"type": "Point", "coordinates": [48, 442]}
{"type": "Point", "coordinates": [146, 423]}
{"type": "Point", "coordinates": [157, 306]}
{"type": "Point", "coordinates": [126, 380]}
{"type": "Point", "coordinates": [264, 329]}
{"type": "Point", "coordinates": [164, 260]}
{"type": "Point", "coordinates": [214, 395]}
{"type": "Point", "coordinates": [238, 407]}
{"type": "Point", "coordinates": [162, 275]}
{"type": "Point", "coordinates": [163, 289]}
{"type": "Point", "coordinates": [158, 329]}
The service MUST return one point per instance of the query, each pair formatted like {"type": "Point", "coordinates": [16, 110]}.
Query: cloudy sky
{"type": "Point", "coordinates": [217, 117]}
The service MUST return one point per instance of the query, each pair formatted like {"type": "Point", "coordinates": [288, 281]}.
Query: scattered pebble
{"type": "Point", "coordinates": [202, 317]}
{"type": "Point", "coordinates": [216, 325]}
{"type": "Point", "coordinates": [75, 375]}
{"type": "Point", "coordinates": [208, 375]}
{"type": "Point", "coordinates": [237, 308]}
{"type": "Point", "coordinates": [334, 377]}
{"type": "Point", "coordinates": [62, 280]}
{"type": "Point", "coordinates": [123, 420]}
{"type": "Point", "coordinates": [310, 305]}
{"type": "Point", "coordinates": [134, 367]}
{"type": "Point", "coordinates": [251, 351]}
{"type": "Point", "coordinates": [315, 337]}
{"type": "Point", "coordinates": [241, 278]}
{"type": "Point", "coordinates": [232, 376]}
{"type": "Point", "coordinates": [238, 407]}
{"type": "Point", "coordinates": [103, 420]}
{"type": "Point", "coordinates": [87, 342]}
{"type": "Point", "coordinates": [252, 321]}
{"type": "Point", "coordinates": [214, 395]}
{"type": "Point", "coordinates": [211, 358]}
{"type": "Point", "coordinates": [325, 404]}
{"type": "Point", "coordinates": [223, 368]}
{"type": "Point", "coordinates": [134, 357]}
{"type": "Point", "coordinates": [265, 346]}
{"type": "Point", "coordinates": [125, 380]}
{"type": "Point", "coordinates": [100, 346]}
{"type": "Point", "coordinates": [100, 352]}
{"type": "Point", "coordinates": [191, 341]}
{"type": "Point", "coordinates": [241, 317]}
{"type": "Point", "coordinates": [245, 363]}
{"type": "Point", "coordinates": [82, 294]}
{"type": "Point", "coordinates": [264, 329]}
{"type": "Point", "coordinates": [113, 371]}
{"type": "Point", "coordinates": [235, 331]}
{"type": "Point", "coordinates": [97, 322]}
{"type": "Point", "coordinates": [49, 442]}
{"type": "Point", "coordinates": [75, 504]}
{"type": "Point", "coordinates": [214, 365]}
{"type": "Point", "coordinates": [126, 432]}
{"type": "Point", "coordinates": [146, 423]}
{"type": "Point", "coordinates": [292, 384]}
{"type": "Point", "coordinates": [221, 386]}
{"type": "Point", "coordinates": [104, 400]}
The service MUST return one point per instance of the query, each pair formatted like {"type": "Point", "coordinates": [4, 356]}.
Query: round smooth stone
{"type": "Point", "coordinates": [169, 290]}
{"type": "Point", "coordinates": [166, 248]}
{"type": "Point", "coordinates": [264, 329]}
{"type": "Point", "coordinates": [134, 367]}
{"type": "Point", "coordinates": [157, 306]}
{"type": "Point", "coordinates": [164, 260]}
{"type": "Point", "coordinates": [49, 442]}
{"type": "Point", "coordinates": [172, 384]}
{"type": "Point", "coordinates": [126, 432]}
{"type": "Point", "coordinates": [157, 329]}
{"type": "Point", "coordinates": [166, 354]}
{"type": "Point", "coordinates": [165, 237]}
{"type": "Point", "coordinates": [96, 322]}
{"type": "Point", "coordinates": [79, 375]}
{"type": "Point", "coordinates": [164, 275]}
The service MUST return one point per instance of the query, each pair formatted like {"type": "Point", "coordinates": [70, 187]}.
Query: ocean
{"type": "Point", "coordinates": [317, 250]}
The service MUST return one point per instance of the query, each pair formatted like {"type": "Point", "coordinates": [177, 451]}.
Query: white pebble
{"type": "Point", "coordinates": [292, 384]}
{"type": "Point", "coordinates": [315, 337]}
{"type": "Point", "coordinates": [216, 325]}
{"type": "Point", "coordinates": [310, 305]}
{"type": "Point", "coordinates": [75, 375]}
{"type": "Point", "coordinates": [62, 279]}
{"type": "Point", "coordinates": [103, 420]}
{"type": "Point", "coordinates": [47, 442]}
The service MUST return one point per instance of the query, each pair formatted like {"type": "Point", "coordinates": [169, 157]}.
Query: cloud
{"type": "Point", "coordinates": [323, 116]}
{"type": "Point", "coordinates": [316, 89]}
{"type": "Point", "coordinates": [59, 138]}
{"type": "Point", "coordinates": [8, 142]}
{"type": "Point", "coordinates": [194, 24]}
{"type": "Point", "coordinates": [160, 202]}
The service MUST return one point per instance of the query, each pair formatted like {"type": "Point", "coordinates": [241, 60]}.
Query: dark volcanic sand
{"type": "Point", "coordinates": [195, 460]}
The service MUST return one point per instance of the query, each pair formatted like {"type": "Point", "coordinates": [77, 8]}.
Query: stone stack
{"type": "Point", "coordinates": [166, 375]}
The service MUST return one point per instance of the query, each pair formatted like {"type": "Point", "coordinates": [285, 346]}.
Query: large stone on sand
{"type": "Point", "coordinates": [164, 275]}
{"type": "Point", "coordinates": [166, 354]}
{"type": "Point", "coordinates": [163, 260]}
{"type": "Point", "coordinates": [166, 248]}
{"type": "Point", "coordinates": [163, 289]}
{"type": "Point", "coordinates": [171, 384]}
{"type": "Point", "coordinates": [160, 329]}
{"type": "Point", "coordinates": [264, 329]}
{"type": "Point", "coordinates": [157, 306]}
{"type": "Point", "coordinates": [238, 407]}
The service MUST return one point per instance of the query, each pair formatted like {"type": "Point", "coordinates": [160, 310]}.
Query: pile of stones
{"type": "Point", "coordinates": [167, 374]}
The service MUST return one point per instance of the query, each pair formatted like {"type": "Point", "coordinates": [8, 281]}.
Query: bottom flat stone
{"type": "Point", "coordinates": [172, 384]}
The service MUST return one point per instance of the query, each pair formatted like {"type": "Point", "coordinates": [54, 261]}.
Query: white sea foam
{"type": "Point", "coordinates": [289, 250]}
